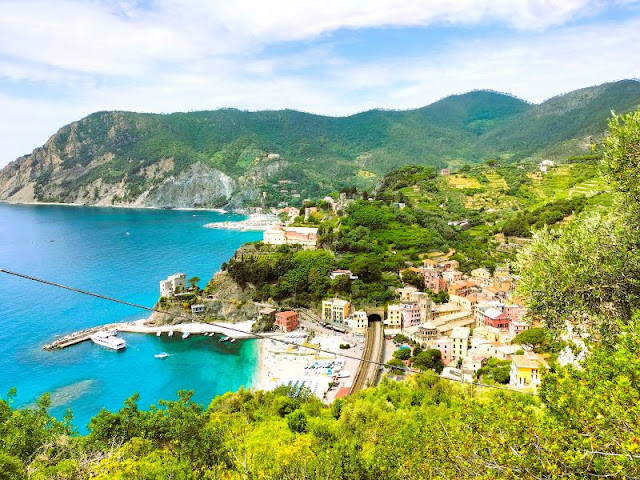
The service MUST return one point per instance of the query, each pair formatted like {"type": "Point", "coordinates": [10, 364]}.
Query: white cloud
{"type": "Point", "coordinates": [191, 55]}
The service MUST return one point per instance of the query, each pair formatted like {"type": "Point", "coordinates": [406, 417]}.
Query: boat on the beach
{"type": "Point", "coordinates": [161, 355]}
{"type": "Point", "coordinates": [109, 339]}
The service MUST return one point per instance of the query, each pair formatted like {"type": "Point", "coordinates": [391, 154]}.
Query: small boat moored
{"type": "Point", "coordinates": [224, 339]}
{"type": "Point", "coordinates": [109, 339]}
{"type": "Point", "coordinates": [185, 334]}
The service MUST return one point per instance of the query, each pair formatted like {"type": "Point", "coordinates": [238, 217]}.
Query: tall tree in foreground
{"type": "Point", "coordinates": [588, 274]}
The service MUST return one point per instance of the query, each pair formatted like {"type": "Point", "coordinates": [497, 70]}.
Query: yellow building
{"type": "Point", "coordinates": [394, 317]}
{"type": "Point", "coordinates": [526, 370]}
{"type": "Point", "coordinates": [335, 311]}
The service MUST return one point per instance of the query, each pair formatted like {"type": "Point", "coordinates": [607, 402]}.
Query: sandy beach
{"type": "Point", "coordinates": [282, 364]}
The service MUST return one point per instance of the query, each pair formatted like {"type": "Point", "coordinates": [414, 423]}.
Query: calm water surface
{"type": "Point", "coordinates": [89, 248]}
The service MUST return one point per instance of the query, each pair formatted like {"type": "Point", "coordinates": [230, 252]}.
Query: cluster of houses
{"type": "Point", "coordinates": [478, 322]}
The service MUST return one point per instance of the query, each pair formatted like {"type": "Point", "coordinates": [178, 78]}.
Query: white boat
{"type": "Point", "coordinates": [159, 333]}
{"type": "Point", "coordinates": [171, 333]}
{"type": "Point", "coordinates": [185, 334]}
{"type": "Point", "coordinates": [108, 339]}
{"type": "Point", "coordinates": [232, 340]}
{"type": "Point", "coordinates": [161, 355]}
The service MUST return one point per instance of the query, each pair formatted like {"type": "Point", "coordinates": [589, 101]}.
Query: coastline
{"type": "Point", "coordinates": [132, 207]}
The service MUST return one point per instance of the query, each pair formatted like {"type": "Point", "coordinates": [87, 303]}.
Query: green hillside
{"type": "Point", "coordinates": [317, 153]}
{"type": "Point", "coordinates": [577, 115]}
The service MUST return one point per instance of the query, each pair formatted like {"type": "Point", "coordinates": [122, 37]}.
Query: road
{"type": "Point", "coordinates": [368, 372]}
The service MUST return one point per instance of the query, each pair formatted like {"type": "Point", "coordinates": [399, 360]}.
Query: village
{"type": "Point", "coordinates": [473, 323]}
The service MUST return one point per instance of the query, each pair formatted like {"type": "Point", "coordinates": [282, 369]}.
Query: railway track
{"type": "Point", "coordinates": [367, 371]}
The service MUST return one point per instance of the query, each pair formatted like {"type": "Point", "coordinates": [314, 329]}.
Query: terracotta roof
{"type": "Point", "coordinates": [343, 392]}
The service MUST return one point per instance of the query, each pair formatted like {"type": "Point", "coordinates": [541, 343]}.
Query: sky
{"type": "Point", "coordinates": [61, 60]}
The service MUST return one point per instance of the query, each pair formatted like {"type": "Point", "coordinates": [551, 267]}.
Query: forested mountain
{"type": "Point", "coordinates": [212, 157]}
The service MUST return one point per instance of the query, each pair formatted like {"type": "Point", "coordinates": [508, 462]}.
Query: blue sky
{"type": "Point", "coordinates": [61, 60]}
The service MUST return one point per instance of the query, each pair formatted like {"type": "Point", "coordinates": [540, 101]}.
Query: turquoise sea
{"type": "Point", "coordinates": [122, 253]}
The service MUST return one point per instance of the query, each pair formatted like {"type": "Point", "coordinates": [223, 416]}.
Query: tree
{"type": "Point", "coordinates": [193, 281]}
{"type": "Point", "coordinates": [622, 156]}
{"type": "Point", "coordinates": [396, 366]}
{"type": "Point", "coordinates": [413, 278]}
{"type": "Point", "coordinates": [402, 354]}
{"type": "Point", "coordinates": [535, 338]}
{"type": "Point", "coordinates": [297, 421]}
{"type": "Point", "coordinates": [588, 273]}
{"type": "Point", "coordinates": [430, 359]}
{"type": "Point", "coordinates": [497, 370]}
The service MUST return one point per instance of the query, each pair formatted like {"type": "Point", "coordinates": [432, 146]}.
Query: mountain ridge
{"type": "Point", "coordinates": [144, 159]}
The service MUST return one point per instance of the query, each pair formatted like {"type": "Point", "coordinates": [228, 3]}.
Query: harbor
{"type": "Point", "coordinates": [235, 331]}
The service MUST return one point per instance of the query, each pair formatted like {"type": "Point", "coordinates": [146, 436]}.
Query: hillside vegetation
{"type": "Point", "coordinates": [155, 160]}
{"type": "Point", "coordinates": [583, 423]}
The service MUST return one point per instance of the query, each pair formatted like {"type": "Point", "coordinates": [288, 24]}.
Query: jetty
{"type": "Point", "coordinates": [79, 337]}
{"type": "Point", "coordinates": [237, 330]}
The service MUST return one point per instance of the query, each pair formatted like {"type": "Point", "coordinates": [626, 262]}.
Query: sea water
{"type": "Point", "coordinates": [122, 253]}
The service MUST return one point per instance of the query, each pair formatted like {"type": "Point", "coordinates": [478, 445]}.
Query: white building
{"type": "Point", "coordinates": [274, 236]}
{"type": "Point", "coordinates": [172, 285]}
{"type": "Point", "coordinates": [197, 309]}
{"type": "Point", "coordinates": [357, 321]}
{"type": "Point", "coordinates": [305, 236]}
{"type": "Point", "coordinates": [336, 273]}
{"type": "Point", "coordinates": [459, 342]}
{"type": "Point", "coordinates": [405, 293]}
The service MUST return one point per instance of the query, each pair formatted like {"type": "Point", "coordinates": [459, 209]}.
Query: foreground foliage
{"type": "Point", "coordinates": [585, 423]}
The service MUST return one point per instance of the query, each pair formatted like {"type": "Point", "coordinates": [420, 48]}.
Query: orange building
{"type": "Point", "coordinates": [287, 321]}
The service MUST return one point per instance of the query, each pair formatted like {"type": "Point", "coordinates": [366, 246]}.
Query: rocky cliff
{"type": "Point", "coordinates": [79, 165]}
{"type": "Point", "coordinates": [224, 301]}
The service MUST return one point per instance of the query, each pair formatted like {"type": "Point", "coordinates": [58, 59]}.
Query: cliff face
{"type": "Point", "coordinates": [98, 161]}
{"type": "Point", "coordinates": [225, 301]}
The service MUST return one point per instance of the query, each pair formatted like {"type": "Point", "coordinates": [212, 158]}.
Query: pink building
{"type": "Point", "coordinates": [515, 312]}
{"type": "Point", "coordinates": [500, 321]}
{"type": "Point", "coordinates": [410, 315]}
{"type": "Point", "coordinates": [433, 280]}
{"type": "Point", "coordinates": [444, 345]}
